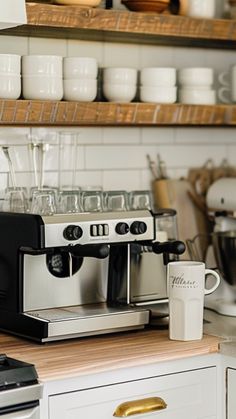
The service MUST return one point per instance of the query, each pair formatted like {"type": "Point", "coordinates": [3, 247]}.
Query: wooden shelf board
{"type": "Point", "coordinates": [124, 26]}
{"type": "Point", "coordinates": [53, 113]}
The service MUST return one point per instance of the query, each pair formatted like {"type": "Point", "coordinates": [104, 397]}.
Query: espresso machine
{"type": "Point", "coordinates": [221, 203]}
{"type": "Point", "coordinates": [57, 273]}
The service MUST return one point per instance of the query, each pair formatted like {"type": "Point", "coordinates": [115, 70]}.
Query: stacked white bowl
{"type": "Point", "coordinates": [80, 78]}
{"type": "Point", "coordinates": [158, 85]}
{"type": "Point", "coordinates": [10, 78]}
{"type": "Point", "coordinates": [196, 86]}
{"type": "Point", "coordinates": [119, 84]}
{"type": "Point", "coordinates": [42, 77]}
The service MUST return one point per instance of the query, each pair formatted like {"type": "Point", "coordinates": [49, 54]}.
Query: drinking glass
{"type": "Point", "coordinates": [116, 200]}
{"type": "Point", "coordinates": [43, 202]}
{"type": "Point", "coordinates": [139, 200]}
{"type": "Point", "coordinates": [91, 201]}
{"type": "Point", "coordinates": [69, 202]}
{"type": "Point", "coordinates": [15, 200]}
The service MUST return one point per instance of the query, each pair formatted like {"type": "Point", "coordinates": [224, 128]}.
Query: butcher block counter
{"type": "Point", "coordinates": [79, 357]}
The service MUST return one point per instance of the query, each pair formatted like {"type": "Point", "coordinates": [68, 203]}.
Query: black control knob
{"type": "Point", "coordinates": [72, 232]}
{"type": "Point", "coordinates": [138, 227]}
{"type": "Point", "coordinates": [122, 228]}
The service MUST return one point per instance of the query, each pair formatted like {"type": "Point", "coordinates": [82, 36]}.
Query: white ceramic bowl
{"type": "Point", "coordinates": [158, 94]}
{"type": "Point", "coordinates": [47, 65]}
{"type": "Point", "coordinates": [121, 75]}
{"type": "Point", "coordinates": [158, 76]}
{"type": "Point", "coordinates": [197, 96]}
{"type": "Point", "coordinates": [10, 86]}
{"type": "Point", "coordinates": [10, 64]}
{"type": "Point", "coordinates": [196, 76]}
{"type": "Point", "coordinates": [80, 90]}
{"type": "Point", "coordinates": [122, 93]}
{"type": "Point", "coordinates": [80, 68]}
{"type": "Point", "coordinates": [42, 87]}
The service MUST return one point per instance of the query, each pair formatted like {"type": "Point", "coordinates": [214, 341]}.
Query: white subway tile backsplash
{"type": "Point", "coordinates": [119, 136]}
{"type": "Point", "coordinates": [85, 178]}
{"type": "Point", "coordinates": [157, 135]}
{"type": "Point", "coordinates": [13, 45]}
{"type": "Point", "coordinates": [187, 57]}
{"type": "Point", "coordinates": [78, 48]}
{"type": "Point", "coordinates": [209, 136]}
{"type": "Point", "coordinates": [52, 46]}
{"type": "Point", "coordinates": [121, 179]}
{"type": "Point", "coordinates": [121, 55]}
{"type": "Point", "coordinates": [156, 56]}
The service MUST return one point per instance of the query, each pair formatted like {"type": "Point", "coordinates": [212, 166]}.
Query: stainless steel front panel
{"type": "Point", "coordinates": [91, 319]}
{"type": "Point", "coordinates": [56, 225]}
{"type": "Point", "coordinates": [33, 413]}
{"type": "Point", "coordinates": [42, 290]}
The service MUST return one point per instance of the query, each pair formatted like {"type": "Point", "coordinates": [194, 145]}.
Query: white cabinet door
{"type": "Point", "coordinates": [231, 393]}
{"type": "Point", "coordinates": [188, 395]}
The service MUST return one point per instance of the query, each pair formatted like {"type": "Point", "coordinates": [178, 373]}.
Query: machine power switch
{"type": "Point", "coordinates": [122, 228]}
{"type": "Point", "coordinates": [138, 227]}
{"type": "Point", "coordinates": [72, 232]}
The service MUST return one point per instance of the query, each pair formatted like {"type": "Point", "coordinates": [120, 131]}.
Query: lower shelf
{"type": "Point", "coordinates": [53, 113]}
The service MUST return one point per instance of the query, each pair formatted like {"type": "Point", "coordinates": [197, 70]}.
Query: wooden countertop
{"type": "Point", "coordinates": [91, 355]}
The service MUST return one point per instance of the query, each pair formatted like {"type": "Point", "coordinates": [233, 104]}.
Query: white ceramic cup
{"type": "Point", "coordinates": [227, 93]}
{"type": "Point", "coordinates": [80, 90]}
{"type": "Point", "coordinates": [10, 86]}
{"type": "Point", "coordinates": [42, 87]}
{"type": "Point", "coordinates": [121, 75]}
{"type": "Point", "coordinates": [197, 96]}
{"type": "Point", "coordinates": [186, 289]}
{"type": "Point", "coordinates": [80, 68]}
{"type": "Point", "coordinates": [10, 64]}
{"type": "Point", "coordinates": [122, 93]}
{"type": "Point", "coordinates": [196, 76]}
{"type": "Point", "coordinates": [158, 94]}
{"type": "Point", "coordinates": [45, 65]}
{"type": "Point", "coordinates": [201, 8]}
{"type": "Point", "coordinates": [158, 76]}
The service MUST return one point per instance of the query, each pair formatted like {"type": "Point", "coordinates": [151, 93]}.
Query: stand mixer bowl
{"type": "Point", "coordinates": [224, 245]}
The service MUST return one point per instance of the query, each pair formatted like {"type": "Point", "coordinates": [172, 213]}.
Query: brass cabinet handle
{"type": "Point", "coordinates": [136, 407]}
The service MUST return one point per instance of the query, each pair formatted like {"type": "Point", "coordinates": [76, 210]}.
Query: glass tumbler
{"type": "Point", "coordinates": [43, 202]}
{"type": "Point", "coordinates": [116, 200]}
{"type": "Point", "coordinates": [69, 202]}
{"type": "Point", "coordinates": [91, 201]}
{"type": "Point", "coordinates": [139, 200]}
{"type": "Point", "coordinates": [15, 200]}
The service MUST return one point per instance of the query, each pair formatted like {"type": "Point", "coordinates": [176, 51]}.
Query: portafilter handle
{"type": "Point", "coordinates": [99, 251]}
{"type": "Point", "coordinates": [175, 247]}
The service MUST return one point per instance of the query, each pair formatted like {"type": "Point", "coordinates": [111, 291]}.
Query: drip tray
{"type": "Point", "coordinates": [90, 319]}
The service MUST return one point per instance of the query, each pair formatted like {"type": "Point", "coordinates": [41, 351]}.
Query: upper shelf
{"type": "Point", "coordinates": [53, 113]}
{"type": "Point", "coordinates": [47, 20]}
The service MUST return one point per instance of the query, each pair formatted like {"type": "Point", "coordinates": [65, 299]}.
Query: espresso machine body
{"type": "Point", "coordinates": [54, 273]}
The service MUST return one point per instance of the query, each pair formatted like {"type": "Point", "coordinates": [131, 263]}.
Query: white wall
{"type": "Point", "coordinates": [116, 157]}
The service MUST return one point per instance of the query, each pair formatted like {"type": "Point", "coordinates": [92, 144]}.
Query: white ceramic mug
{"type": "Point", "coordinates": [158, 94]}
{"type": "Point", "coordinates": [201, 8]}
{"type": "Point", "coordinates": [196, 76]}
{"type": "Point", "coordinates": [158, 76]}
{"type": "Point", "coordinates": [197, 96]}
{"type": "Point", "coordinates": [80, 68]}
{"type": "Point", "coordinates": [227, 93]}
{"type": "Point", "coordinates": [186, 290]}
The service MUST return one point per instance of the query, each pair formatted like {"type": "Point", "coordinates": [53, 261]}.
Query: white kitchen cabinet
{"type": "Point", "coordinates": [231, 398]}
{"type": "Point", "coordinates": [188, 395]}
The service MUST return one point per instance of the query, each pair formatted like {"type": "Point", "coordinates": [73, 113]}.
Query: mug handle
{"type": "Point", "coordinates": [224, 94]}
{"type": "Point", "coordinates": [223, 78]}
{"type": "Point", "coordinates": [217, 277]}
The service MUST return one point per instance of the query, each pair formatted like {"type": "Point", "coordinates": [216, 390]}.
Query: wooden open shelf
{"type": "Point", "coordinates": [46, 20]}
{"type": "Point", "coordinates": [53, 113]}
